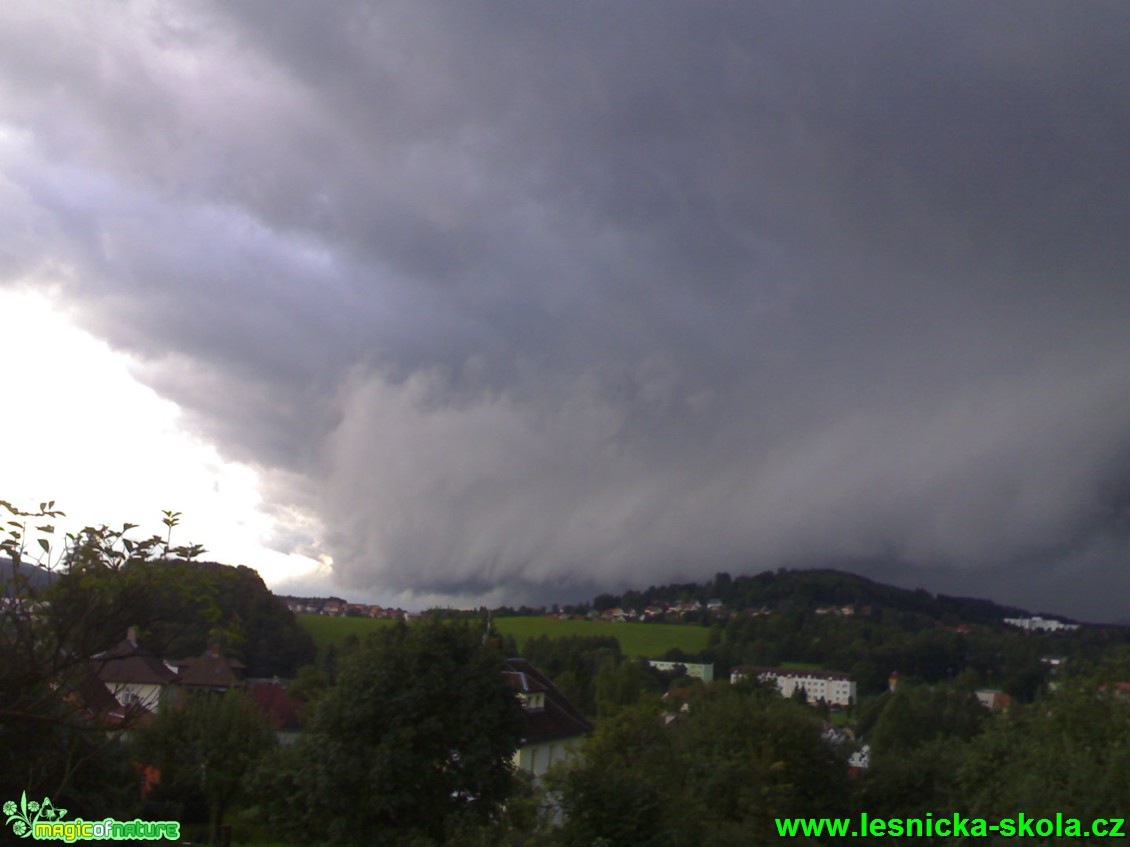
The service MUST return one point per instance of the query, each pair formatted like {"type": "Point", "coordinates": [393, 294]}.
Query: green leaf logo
{"type": "Point", "coordinates": [23, 817]}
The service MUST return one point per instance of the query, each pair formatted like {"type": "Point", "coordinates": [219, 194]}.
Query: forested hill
{"type": "Point", "coordinates": [813, 589]}
{"type": "Point", "coordinates": [179, 609]}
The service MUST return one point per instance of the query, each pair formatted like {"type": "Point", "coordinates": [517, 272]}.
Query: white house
{"type": "Point", "coordinates": [554, 726]}
{"type": "Point", "coordinates": [699, 671]}
{"type": "Point", "coordinates": [860, 759]}
{"type": "Point", "coordinates": [136, 679]}
{"type": "Point", "coordinates": [992, 698]}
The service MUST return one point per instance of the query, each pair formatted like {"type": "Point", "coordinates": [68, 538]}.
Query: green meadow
{"type": "Point", "coordinates": [651, 640]}
{"type": "Point", "coordinates": [636, 639]}
{"type": "Point", "coordinates": [326, 630]}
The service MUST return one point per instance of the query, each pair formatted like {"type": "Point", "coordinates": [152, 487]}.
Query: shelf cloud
{"type": "Point", "coordinates": [523, 300]}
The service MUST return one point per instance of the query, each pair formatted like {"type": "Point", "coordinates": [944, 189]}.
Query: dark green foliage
{"type": "Point", "coordinates": [870, 647]}
{"type": "Point", "coordinates": [915, 715]}
{"type": "Point", "coordinates": [51, 743]}
{"type": "Point", "coordinates": [50, 746]}
{"type": "Point", "coordinates": [604, 602]}
{"type": "Point", "coordinates": [1025, 679]}
{"type": "Point", "coordinates": [56, 736]}
{"type": "Point", "coordinates": [617, 795]}
{"type": "Point", "coordinates": [818, 587]}
{"type": "Point", "coordinates": [308, 686]}
{"type": "Point", "coordinates": [622, 683]}
{"type": "Point", "coordinates": [917, 737]}
{"type": "Point", "coordinates": [720, 778]}
{"type": "Point", "coordinates": [754, 759]}
{"type": "Point", "coordinates": [525, 821]}
{"type": "Point", "coordinates": [327, 663]}
{"type": "Point", "coordinates": [180, 608]}
{"type": "Point", "coordinates": [205, 747]}
{"type": "Point", "coordinates": [414, 741]}
{"type": "Point", "coordinates": [612, 807]}
{"type": "Point", "coordinates": [913, 782]}
{"type": "Point", "coordinates": [1069, 753]}
{"type": "Point", "coordinates": [573, 663]}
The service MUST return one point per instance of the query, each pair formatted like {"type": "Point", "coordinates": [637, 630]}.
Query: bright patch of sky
{"type": "Point", "coordinates": [80, 430]}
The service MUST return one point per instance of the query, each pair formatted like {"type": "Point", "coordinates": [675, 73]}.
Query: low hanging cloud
{"type": "Point", "coordinates": [522, 301]}
{"type": "Point", "coordinates": [522, 488]}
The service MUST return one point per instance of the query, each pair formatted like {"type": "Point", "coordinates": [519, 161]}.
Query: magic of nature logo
{"type": "Point", "coordinates": [43, 821]}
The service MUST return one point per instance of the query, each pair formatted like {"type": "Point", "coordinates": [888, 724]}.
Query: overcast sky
{"type": "Point", "coordinates": [515, 301]}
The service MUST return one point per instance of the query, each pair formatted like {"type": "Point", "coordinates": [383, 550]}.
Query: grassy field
{"type": "Point", "coordinates": [636, 639]}
{"type": "Point", "coordinates": [327, 630]}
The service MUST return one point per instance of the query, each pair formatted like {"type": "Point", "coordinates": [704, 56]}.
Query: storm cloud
{"type": "Point", "coordinates": [522, 299]}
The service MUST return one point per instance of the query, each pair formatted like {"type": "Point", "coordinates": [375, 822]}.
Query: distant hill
{"type": "Point", "coordinates": [37, 577]}
{"type": "Point", "coordinates": [840, 621]}
{"type": "Point", "coordinates": [815, 589]}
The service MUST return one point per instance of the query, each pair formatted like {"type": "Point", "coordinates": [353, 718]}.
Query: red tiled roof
{"type": "Point", "coordinates": [271, 697]}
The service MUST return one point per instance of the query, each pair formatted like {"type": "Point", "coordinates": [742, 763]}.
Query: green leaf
{"type": "Point", "coordinates": [45, 544]}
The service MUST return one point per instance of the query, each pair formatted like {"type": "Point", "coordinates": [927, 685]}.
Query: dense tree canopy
{"type": "Point", "coordinates": [415, 740]}
{"type": "Point", "coordinates": [181, 607]}
{"type": "Point", "coordinates": [718, 776]}
{"type": "Point", "coordinates": [204, 747]}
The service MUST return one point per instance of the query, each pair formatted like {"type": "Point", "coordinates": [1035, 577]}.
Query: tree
{"type": "Point", "coordinates": [746, 760]}
{"type": "Point", "coordinates": [739, 761]}
{"type": "Point", "coordinates": [622, 683]}
{"type": "Point", "coordinates": [204, 748]}
{"type": "Point", "coordinates": [415, 740]}
{"type": "Point", "coordinates": [618, 793]}
{"type": "Point", "coordinates": [181, 607]}
{"type": "Point", "coordinates": [61, 606]}
{"type": "Point", "coordinates": [917, 736]}
{"type": "Point", "coordinates": [604, 602]}
{"type": "Point", "coordinates": [1068, 753]}
{"type": "Point", "coordinates": [573, 662]}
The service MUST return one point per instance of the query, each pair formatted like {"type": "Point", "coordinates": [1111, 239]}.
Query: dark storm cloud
{"type": "Point", "coordinates": [524, 297]}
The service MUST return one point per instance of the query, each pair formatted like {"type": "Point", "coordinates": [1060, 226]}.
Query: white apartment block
{"type": "Point", "coordinates": [1038, 624]}
{"type": "Point", "coordinates": [833, 687]}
